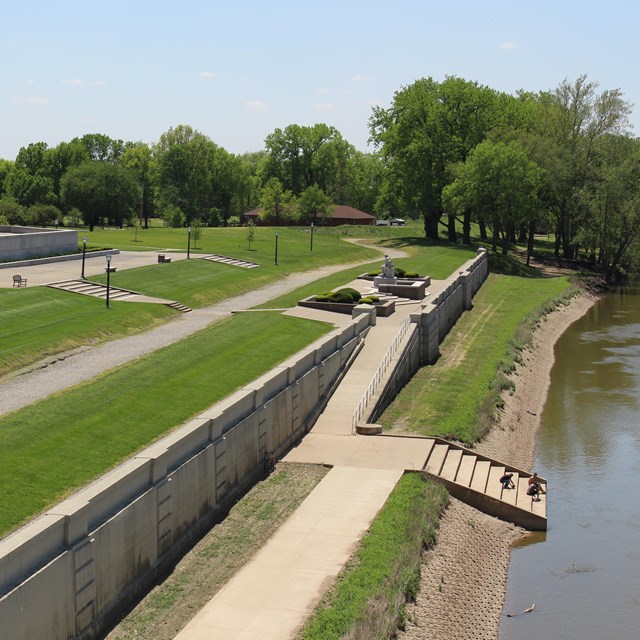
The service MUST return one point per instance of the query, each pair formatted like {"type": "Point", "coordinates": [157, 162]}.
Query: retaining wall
{"type": "Point", "coordinates": [70, 572]}
{"type": "Point", "coordinates": [421, 344]}
{"type": "Point", "coordinates": [29, 242]}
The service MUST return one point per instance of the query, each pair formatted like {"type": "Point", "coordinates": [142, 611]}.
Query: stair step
{"type": "Point", "coordinates": [465, 470]}
{"type": "Point", "coordinates": [451, 464]}
{"type": "Point", "coordinates": [494, 488]}
{"type": "Point", "coordinates": [234, 262]}
{"type": "Point", "coordinates": [480, 476]}
{"type": "Point", "coordinates": [435, 460]}
{"type": "Point", "coordinates": [510, 495]}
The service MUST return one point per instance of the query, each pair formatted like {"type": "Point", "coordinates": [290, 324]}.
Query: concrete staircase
{"type": "Point", "coordinates": [87, 288]}
{"type": "Point", "coordinates": [234, 262]}
{"type": "Point", "coordinates": [475, 479]}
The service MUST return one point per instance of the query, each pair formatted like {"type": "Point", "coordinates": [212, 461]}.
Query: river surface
{"type": "Point", "coordinates": [583, 575]}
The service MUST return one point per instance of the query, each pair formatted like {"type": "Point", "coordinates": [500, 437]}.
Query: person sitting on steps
{"type": "Point", "coordinates": [507, 481]}
{"type": "Point", "coordinates": [535, 487]}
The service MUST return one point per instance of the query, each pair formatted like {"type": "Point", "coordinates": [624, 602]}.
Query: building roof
{"type": "Point", "coordinates": [344, 212]}
{"type": "Point", "coordinates": [340, 212]}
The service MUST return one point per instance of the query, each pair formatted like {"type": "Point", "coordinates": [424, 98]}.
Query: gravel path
{"type": "Point", "coordinates": [76, 367]}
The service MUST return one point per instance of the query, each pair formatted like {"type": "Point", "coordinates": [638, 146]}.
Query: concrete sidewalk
{"type": "Point", "coordinates": [274, 594]}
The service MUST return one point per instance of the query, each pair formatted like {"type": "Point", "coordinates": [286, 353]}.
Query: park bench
{"type": "Point", "coordinates": [162, 258]}
{"type": "Point", "coordinates": [19, 281]}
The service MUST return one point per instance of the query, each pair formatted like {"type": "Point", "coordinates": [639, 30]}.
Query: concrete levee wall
{"type": "Point", "coordinates": [29, 242]}
{"type": "Point", "coordinates": [69, 573]}
{"type": "Point", "coordinates": [429, 328]}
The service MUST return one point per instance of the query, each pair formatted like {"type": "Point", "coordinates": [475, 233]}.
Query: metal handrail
{"type": "Point", "coordinates": [377, 376]}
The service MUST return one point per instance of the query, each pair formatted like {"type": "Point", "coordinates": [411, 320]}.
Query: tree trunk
{"type": "Point", "coordinates": [483, 230]}
{"type": "Point", "coordinates": [431, 227]}
{"type": "Point", "coordinates": [451, 228]}
{"type": "Point", "coordinates": [466, 227]}
{"type": "Point", "coordinates": [532, 230]}
{"type": "Point", "coordinates": [495, 237]}
{"type": "Point", "coordinates": [506, 236]}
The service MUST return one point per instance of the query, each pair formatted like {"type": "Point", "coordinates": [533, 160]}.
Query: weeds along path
{"type": "Point", "coordinates": [80, 365]}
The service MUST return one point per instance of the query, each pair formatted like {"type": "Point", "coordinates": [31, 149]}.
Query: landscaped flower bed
{"type": "Point", "coordinates": [344, 300]}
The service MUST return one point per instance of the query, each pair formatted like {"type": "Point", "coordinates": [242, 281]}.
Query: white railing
{"type": "Point", "coordinates": [377, 376]}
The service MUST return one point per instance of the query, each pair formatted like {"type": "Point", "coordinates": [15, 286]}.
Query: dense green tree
{"type": "Point", "coordinates": [60, 159]}
{"type": "Point", "coordinates": [314, 206]}
{"type": "Point", "coordinates": [29, 180]}
{"type": "Point", "coordinates": [105, 193]}
{"type": "Point", "coordinates": [139, 160]}
{"type": "Point", "coordinates": [5, 168]}
{"type": "Point", "coordinates": [429, 126]}
{"type": "Point", "coordinates": [278, 205]}
{"type": "Point", "coordinates": [611, 232]}
{"type": "Point", "coordinates": [501, 184]}
{"type": "Point", "coordinates": [43, 215]}
{"type": "Point", "coordinates": [12, 211]}
{"type": "Point", "coordinates": [196, 175]}
{"type": "Point", "coordinates": [101, 147]}
{"type": "Point", "coordinates": [579, 121]}
{"type": "Point", "coordinates": [300, 157]}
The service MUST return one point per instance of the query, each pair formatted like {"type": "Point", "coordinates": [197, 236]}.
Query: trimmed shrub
{"type": "Point", "coordinates": [399, 272]}
{"type": "Point", "coordinates": [373, 274]}
{"type": "Point", "coordinates": [412, 274]}
{"type": "Point", "coordinates": [355, 294]}
{"type": "Point", "coordinates": [341, 296]}
{"type": "Point", "coordinates": [323, 297]}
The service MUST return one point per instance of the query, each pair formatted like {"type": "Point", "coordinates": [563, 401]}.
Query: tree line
{"type": "Point", "coordinates": [451, 153]}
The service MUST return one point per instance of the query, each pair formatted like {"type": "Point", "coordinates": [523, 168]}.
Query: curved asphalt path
{"type": "Point", "coordinates": [76, 367]}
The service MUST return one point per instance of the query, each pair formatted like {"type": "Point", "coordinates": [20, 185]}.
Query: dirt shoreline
{"type": "Point", "coordinates": [464, 576]}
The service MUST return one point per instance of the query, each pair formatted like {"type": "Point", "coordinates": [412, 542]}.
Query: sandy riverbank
{"type": "Point", "coordinates": [464, 576]}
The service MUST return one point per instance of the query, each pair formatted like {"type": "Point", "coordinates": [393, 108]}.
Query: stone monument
{"type": "Point", "coordinates": [387, 273]}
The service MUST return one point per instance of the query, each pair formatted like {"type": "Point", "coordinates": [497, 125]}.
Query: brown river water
{"type": "Point", "coordinates": [583, 575]}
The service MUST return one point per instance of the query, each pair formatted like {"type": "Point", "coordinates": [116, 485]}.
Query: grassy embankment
{"type": "Point", "coordinates": [368, 599]}
{"type": "Point", "coordinates": [55, 446]}
{"type": "Point", "coordinates": [459, 395]}
{"type": "Point", "coordinates": [39, 322]}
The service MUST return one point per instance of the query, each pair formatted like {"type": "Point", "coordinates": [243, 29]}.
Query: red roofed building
{"type": "Point", "coordinates": [342, 214]}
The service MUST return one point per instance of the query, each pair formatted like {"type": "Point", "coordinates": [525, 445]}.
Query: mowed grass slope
{"type": "Point", "coordinates": [445, 399]}
{"type": "Point", "coordinates": [39, 322]}
{"type": "Point", "coordinates": [423, 257]}
{"type": "Point", "coordinates": [60, 444]}
{"type": "Point", "coordinates": [198, 283]}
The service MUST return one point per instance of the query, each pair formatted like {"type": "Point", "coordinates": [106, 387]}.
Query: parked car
{"type": "Point", "coordinates": [397, 222]}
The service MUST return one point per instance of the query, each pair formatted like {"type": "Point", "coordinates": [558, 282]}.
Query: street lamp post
{"type": "Point", "coordinates": [311, 248]}
{"type": "Point", "coordinates": [84, 251]}
{"type": "Point", "coordinates": [276, 261]}
{"type": "Point", "coordinates": [108, 274]}
{"type": "Point", "coordinates": [189, 243]}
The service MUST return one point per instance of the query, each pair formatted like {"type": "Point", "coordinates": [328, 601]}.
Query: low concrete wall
{"type": "Point", "coordinates": [69, 573]}
{"type": "Point", "coordinates": [29, 242]}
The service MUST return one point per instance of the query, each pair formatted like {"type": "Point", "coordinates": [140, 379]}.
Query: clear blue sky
{"type": "Point", "coordinates": [236, 70]}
